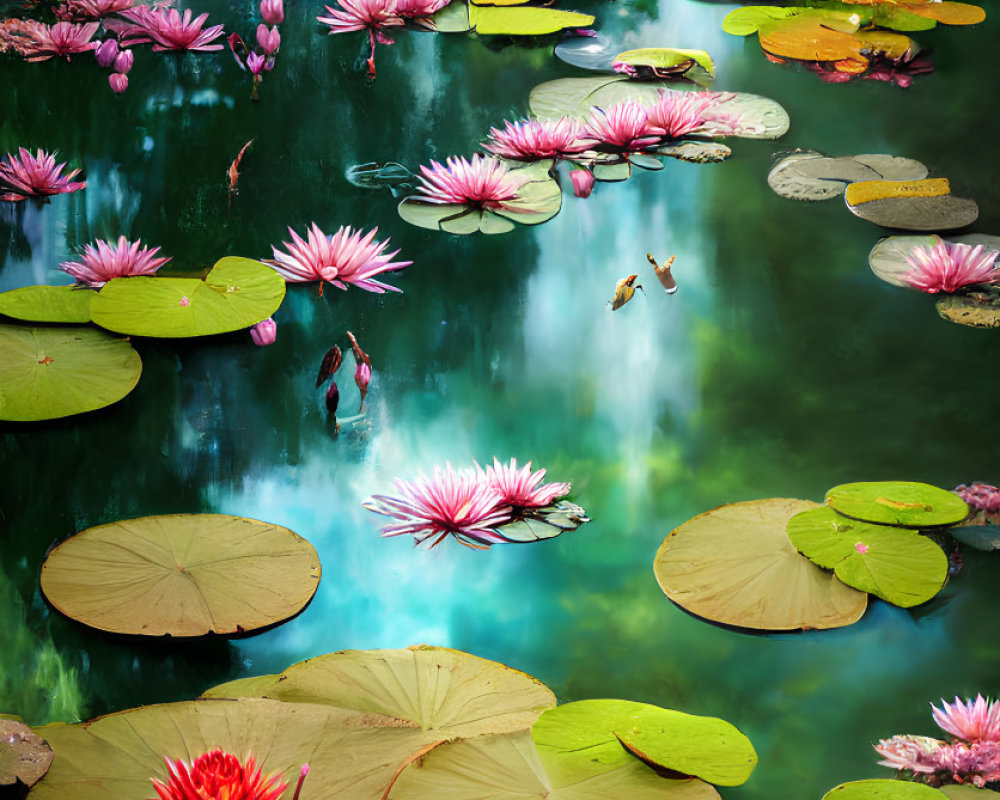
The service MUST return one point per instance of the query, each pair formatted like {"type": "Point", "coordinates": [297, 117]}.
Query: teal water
{"type": "Point", "coordinates": [782, 367]}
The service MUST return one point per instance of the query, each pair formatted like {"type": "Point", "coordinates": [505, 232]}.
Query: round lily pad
{"type": "Point", "coordinates": [46, 373]}
{"type": "Point", "coordinates": [883, 790]}
{"type": "Point", "coordinates": [735, 565]}
{"type": "Point", "coordinates": [903, 503]}
{"type": "Point", "coordinates": [47, 304]}
{"type": "Point", "coordinates": [544, 523]}
{"type": "Point", "coordinates": [236, 293]}
{"type": "Point", "coordinates": [605, 734]}
{"type": "Point", "coordinates": [887, 258]}
{"type": "Point", "coordinates": [809, 175]}
{"type": "Point", "coordinates": [446, 692]}
{"type": "Point", "coordinates": [509, 766]}
{"type": "Point", "coordinates": [901, 566]}
{"type": "Point", "coordinates": [925, 205]}
{"type": "Point", "coordinates": [977, 310]}
{"type": "Point", "coordinates": [181, 575]}
{"type": "Point", "coordinates": [24, 755]}
{"type": "Point", "coordinates": [666, 59]}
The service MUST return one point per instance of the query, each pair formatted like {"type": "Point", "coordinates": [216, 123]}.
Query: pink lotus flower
{"type": "Point", "coordinates": [218, 775]}
{"type": "Point", "coordinates": [519, 488]}
{"type": "Point", "coordinates": [977, 763]}
{"type": "Point", "coordinates": [61, 39]}
{"type": "Point", "coordinates": [459, 504]}
{"type": "Point", "coordinates": [168, 30]}
{"type": "Point", "coordinates": [583, 182]}
{"type": "Point", "coordinates": [533, 139]}
{"type": "Point", "coordinates": [481, 182]}
{"type": "Point", "coordinates": [980, 496]}
{"type": "Point", "coordinates": [256, 63]}
{"type": "Point", "coordinates": [344, 258]}
{"type": "Point", "coordinates": [973, 721]}
{"type": "Point", "coordinates": [91, 9]}
{"type": "Point", "coordinates": [102, 263]}
{"type": "Point", "coordinates": [624, 126]}
{"type": "Point", "coordinates": [912, 753]}
{"type": "Point", "coordinates": [359, 15]}
{"type": "Point", "coordinates": [947, 267]}
{"type": "Point", "coordinates": [265, 332]}
{"type": "Point", "coordinates": [418, 9]}
{"type": "Point", "coordinates": [272, 11]}
{"type": "Point", "coordinates": [27, 175]}
{"type": "Point", "coordinates": [269, 40]}
{"type": "Point", "coordinates": [678, 114]}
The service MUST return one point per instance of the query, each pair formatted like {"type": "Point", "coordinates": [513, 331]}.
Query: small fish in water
{"type": "Point", "coordinates": [624, 290]}
{"type": "Point", "coordinates": [955, 561]}
{"type": "Point", "coordinates": [663, 273]}
{"type": "Point", "coordinates": [233, 174]}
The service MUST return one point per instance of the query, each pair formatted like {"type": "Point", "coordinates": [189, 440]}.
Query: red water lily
{"type": "Point", "coordinates": [218, 775]}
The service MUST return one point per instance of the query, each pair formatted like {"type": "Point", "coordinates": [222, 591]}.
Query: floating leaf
{"type": "Point", "coordinates": [453, 18]}
{"type": "Point", "coordinates": [695, 152]}
{"type": "Point", "coordinates": [445, 692]}
{"type": "Point", "coordinates": [667, 59]}
{"type": "Point", "coordinates": [902, 567]}
{"type": "Point", "coordinates": [524, 21]}
{"type": "Point", "coordinates": [887, 258]}
{"type": "Point", "coordinates": [883, 790]}
{"type": "Point", "coordinates": [735, 565]}
{"type": "Point", "coordinates": [46, 373]}
{"type": "Point", "coordinates": [911, 205]}
{"type": "Point", "coordinates": [978, 537]}
{"type": "Point", "coordinates": [903, 503]}
{"type": "Point", "coordinates": [24, 755]}
{"type": "Point", "coordinates": [948, 12]}
{"type": "Point", "coordinates": [181, 575]}
{"type": "Point", "coordinates": [236, 293]}
{"type": "Point", "coordinates": [375, 175]}
{"type": "Point", "coordinates": [47, 304]}
{"type": "Point", "coordinates": [809, 175]}
{"type": "Point", "coordinates": [750, 19]}
{"type": "Point", "coordinates": [544, 523]}
{"type": "Point", "coordinates": [510, 767]}
{"type": "Point", "coordinates": [601, 735]}
{"type": "Point", "coordinates": [977, 310]}
{"type": "Point", "coordinates": [964, 791]}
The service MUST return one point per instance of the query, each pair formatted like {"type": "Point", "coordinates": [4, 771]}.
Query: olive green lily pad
{"type": "Point", "coordinates": [350, 754]}
{"type": "Point", "coordinates": [977, 310]}
{"type": "Point", "coordinates": [695, 152]}
{"type": "Point", "coordinates": [903, 503]}
{"type": "Point", "coordinates": [600, 735]}
{"type": "Point", "coordinates": [510, 767]}
{"type": "Point", "coordinates": [24, 755]}
{"type": "Point", "coordinates": [47, 304]}
{"type": "Point", "coordinates": [964, 791]}
{"type": "Point", "coordinates": [735, 565]}
{"type": "Point", "coordinates": [883, 790]}
{"type": "Point", "coordinates": [445, 692]}
{"type": "Point", "coordinates": [236, 293]}
{"type": "Point", "coordinates": [750, 19]}
{"type": "Point", "coordinates": [181, 575]}
{"type": "Point", "coordinates": [47, 373]}
{"type": "Point", "coordinates": [524, 20]}
{"type": "Point", "coordinates": [666, 58]}
{"type": "Point", "coordinates": [252, 686]}
{"type": "Point", "coordinates": [901, 566]}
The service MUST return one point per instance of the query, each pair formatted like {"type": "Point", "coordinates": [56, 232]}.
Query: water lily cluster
{"type": "Point", "coordinates": [971, 756]}
{"type": "Point", "coordinates": [983, 500]}
{"type": "Point", "coordinates": [24, 175]}
{"type": "Point", "coordinates": [471, 505]}
{"type": "Point", "coordinates": [257, 61]}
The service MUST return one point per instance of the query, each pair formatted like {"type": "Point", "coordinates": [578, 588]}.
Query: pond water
{"type": "Point", "coordinates": [782, 367]}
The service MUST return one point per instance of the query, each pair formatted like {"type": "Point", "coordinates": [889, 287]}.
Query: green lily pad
{"type": "Point", "coordinates": [811, 176]}
{"type": "Point", "coordinates": [453, 18]}
{"type": "Point", "coordinates": [524, 21]}
{"type": "Point", "coordinates": [445, 692]}
{"type": "Point", "coordinates": [956, 791]}
{"type": "Point", "coordinates": [181, 575]}
{"type": "Point", "coordinates": [601, 735]}
{"type": "Point", "coordinates": [24, 755]}
{"type": "Point", "coordinates": [903, 503]}
{"type": "Point", "coordinates": [735, 565]}
{"type": "Point", "coordinates": [236, 293]}
{"type": "Point", "coordinates": [901, 566]}
{"type": "Point", "coordinates": [47, 304]}
{"type": "Point", "coordinates": [883, 790]}
{"type": "Point", "coordinates": [977, 310]}
{"type": "Point", "coordinates": [750, 19]}
{"type": "Point", "coordinates": [47, 373]}
{"type": "Point", "coordinates": [545, 523]}
{"type": "Point", "coordinates": [511, 768]}
{"type": "Point", "coordinates": [350, 754]}
{"type": "Point", "coordinates": [666, 58]}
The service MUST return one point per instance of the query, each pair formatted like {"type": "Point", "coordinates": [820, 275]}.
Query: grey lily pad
{"type": "Point", "coordinates": [926, 205]}
{"type": "Point", "coordinates": [811, 176]}
{"type": "Point", "coordinates": [884, 790]}
{"type": "Point", "coordinates": [47, 373]}
{"type": "Point", "coordinates": [907, 504]}
{"type": "Point", "coordinates": [47, 304]}
{"type": "Point", "coordinates": [545, 523]}
{"type": "Point", "coordinates": [24, 755]}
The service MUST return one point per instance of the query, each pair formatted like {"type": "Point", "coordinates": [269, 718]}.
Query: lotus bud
{"type": "Point", "coordinates": [272, 11]}
{"type": "Point", "coordinates": [119, 82]}
{"type": "Point", "coordinates": [264, 333]}
{"type": "Point", "coordinates": [106, 52]}
{"type": "Point", "coordinates": [255, 63]}
{"type": "Point", "coordinates": [269, 40]}
{"type": "Point", "coordinates": [124, 61]}
{"type": "Point", "coordinates": [583, 182]}
{"type": "Point", "coordinates": [362, 377]}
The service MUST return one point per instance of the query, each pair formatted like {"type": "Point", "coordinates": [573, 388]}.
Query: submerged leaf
{"type": "Point", "coordinates": [47, 304]}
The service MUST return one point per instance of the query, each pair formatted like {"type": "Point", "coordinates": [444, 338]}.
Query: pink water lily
{"type": "Point", "coordinates": [911, 753]}
{"type": "Point", "coordinates": [419, 9]}
{"type": "Point", "coordinates": [27, 175]}
{"type": "Point", "coordinates": [18, 35]}
{"type": "Point", "coordinates": [519, 487]}
{"type": "Point", "coordinates": [677, 114]}
{"type": "Point", "coordinates": [459, 504]}
{"type": "Point", "coordinates": [102, 262]}
{"type": "Point", "coordinates": [91, 9]}
{"type": "Point", "coordinates": [537, 138]}
{"type": "Point", "coordinates": [269, 39]}
{"type": "Point", "coordinates": [973, 720]}
{"type": "Point", "coordinates": [168, 29]}
{"type": "Point", "coordinates": [980, 496]}
{"type": "Point", "coordinates": [358, 15]}
{"type": "Point", "coordinates": [346, 257]}
{"type": "Point", "coordinates": [623, 126]}
{"type": "Point", "coordinates": [61, 39]}
{"type": "Point", "coordinates": [272, 11]}
{"type": "Point", "coordinates": [480, 182]}
{"type": "Point", "coordinates": [947, 267]}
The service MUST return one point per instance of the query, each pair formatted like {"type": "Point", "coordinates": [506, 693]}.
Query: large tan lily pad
{"type": "Point", "coordinates": [351, 755]}
{"type": "Point", "coordinates": [182, 575]}
{"type": "Point", "coordinates": [735, 565]}
{"type": "Point", "coordinates": [509, 767]}
{"type": "Point", "coordinates": [446, 692]}
{"type": "Point", "coordinates": [24, 755]}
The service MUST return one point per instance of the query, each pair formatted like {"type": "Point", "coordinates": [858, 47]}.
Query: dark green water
{"type": "Point", "coordinates": [781, 368]}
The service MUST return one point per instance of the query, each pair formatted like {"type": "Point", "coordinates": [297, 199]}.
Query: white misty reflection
{"type": "Point", "coordinates": [42, 244]}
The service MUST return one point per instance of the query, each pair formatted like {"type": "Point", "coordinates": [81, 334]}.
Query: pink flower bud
{"type": "Point", "coordinates": [124, 61]}
{"type": "Point", "coordinates": [269, 40]}
{"type": "Point", "coordinates": [106, 52]}
{"type": "Point", "coordinates": [255, 63]}
{"type": "Point", "coordinates": [119, 82]}
{"type": "Point", "coordinates": [583, 182]}
{"type": "Point", "coordinates": [264, 333]}
{"type": "Point", "coordinates": [272, 11]}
